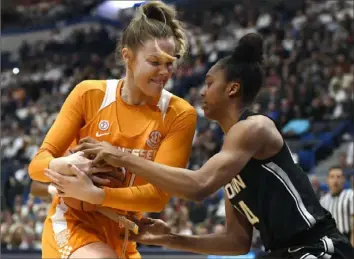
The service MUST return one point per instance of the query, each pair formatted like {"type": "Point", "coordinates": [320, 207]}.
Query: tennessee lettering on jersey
{"type": "Point", "coordinates": [144, 153]}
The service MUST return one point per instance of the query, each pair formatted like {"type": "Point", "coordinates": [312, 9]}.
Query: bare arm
{"type": "Point", "coordinates": [242, 142]}
{"type": "Point", "coordinates": [236, 240]}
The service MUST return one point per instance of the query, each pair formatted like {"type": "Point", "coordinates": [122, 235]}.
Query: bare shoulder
{"type": "Point", "coordinates": [272, 139]}
{"type": "Point", "coordinates": [254, 126]}
{"type": "Point", "coordinates": [261, 121]}
{"type": "Point", "coordinates": [258, 133]}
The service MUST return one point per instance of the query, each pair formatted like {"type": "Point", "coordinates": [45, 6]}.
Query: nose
{"type": "Point", "coordinates": [202, 91]}
{"type": "Point", "coordinates": [164, 69]}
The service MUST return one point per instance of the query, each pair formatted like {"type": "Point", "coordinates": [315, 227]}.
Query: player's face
{"type": "Point", "coordinates": [217, 94]}
{"type": "Point", "coordinates": [153, 65]}
{"type": "Point", "coordinates": [336, 180]}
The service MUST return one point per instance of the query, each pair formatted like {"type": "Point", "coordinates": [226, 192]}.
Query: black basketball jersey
{"type": "Point", "coordinates": [277, 198]}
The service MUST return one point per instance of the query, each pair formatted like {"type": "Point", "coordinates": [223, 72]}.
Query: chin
{"type": "Point", "coordinates": [207, 114]}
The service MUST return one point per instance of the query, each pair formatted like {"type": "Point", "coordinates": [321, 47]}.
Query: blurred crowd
{"type": "Point", "coordinates": [309, 74]}
{"type": "Point", "coordinates": [37, 13]}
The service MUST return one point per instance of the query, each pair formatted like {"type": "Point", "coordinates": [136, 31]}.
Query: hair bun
{"type": "Point", "coordinates": [159, 11]}
{"type": "Point", "coordinates": [249, 49]}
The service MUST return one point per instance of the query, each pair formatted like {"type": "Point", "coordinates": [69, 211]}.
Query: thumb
{"type": "Point", "coordinates": [79, 153]}
{"type": "Point", "coordinates": [76, 171]}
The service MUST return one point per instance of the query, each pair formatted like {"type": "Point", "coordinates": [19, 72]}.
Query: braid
{"type": "Point", "coordinates": [180, 36]}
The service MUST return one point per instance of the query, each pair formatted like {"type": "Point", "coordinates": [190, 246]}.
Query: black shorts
{"type": "Point", "coordinates": [334, 246]}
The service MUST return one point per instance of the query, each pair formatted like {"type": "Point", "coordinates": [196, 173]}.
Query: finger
{"type": "Point", "coordinates": [55, 177]}
{"type": "Point", "coordinates": [100, 181]}
{"type": "Point", "coordinates": [85, 166]}
{"type": "Point", "coordinates": [134, 218]}
{"type": "Point", "coordinates": [79, 153]}
{"type": "Point", "coordinates": [59, 189]}
{"type": "Point", "coordinates": [99, 159]}
{"type": "Point", "coordinates": [88, 140]}
{"type": "Point", "coordinates": [83, 146]}
{"type": "Point", "coordinates": [77, 171]}
{"type": "Point", "coordinates": [91, 152]}
{"type": "Point", "coordinates": [147, 221]}
{"type": "Point", "coordinates": [106, 169]}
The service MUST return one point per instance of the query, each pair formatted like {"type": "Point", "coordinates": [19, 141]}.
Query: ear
{"type": "Point", "coordinates": [233, 89]}
{"type": "Point", "coordinates": [127, 56]}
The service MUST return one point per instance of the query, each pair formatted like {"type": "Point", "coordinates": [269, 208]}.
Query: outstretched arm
{"type": "Point", "coordinates": [235, 240]}
{"type": "Point", "coordinates": [242, 142]}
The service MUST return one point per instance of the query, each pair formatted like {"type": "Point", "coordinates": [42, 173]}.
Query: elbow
{"type": "Point", "coordinates": [199, 193]}
{"type": "Point", "coordinates": [243, 245]}
{"type": "Point", "coordinates": [202, 189]}
{"type": "Point", "coordinates": [33, 171]}
{"type": "Point", "coordinates": [244, 250]}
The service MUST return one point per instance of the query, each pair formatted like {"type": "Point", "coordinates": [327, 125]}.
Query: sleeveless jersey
{"type": "Point", "coordinates": [277, 198]}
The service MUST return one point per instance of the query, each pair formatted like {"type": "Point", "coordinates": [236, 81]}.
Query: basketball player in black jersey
{"type": "Point", "coordinates": [265, 188]}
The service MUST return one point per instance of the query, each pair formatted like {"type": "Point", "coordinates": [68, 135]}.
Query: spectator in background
{"type": "Point", "coordinates": [316, 185]}
{"type": "Point", "coordinates": [350, 156]}
{"type": "Point", "coordinates": [340, 202]}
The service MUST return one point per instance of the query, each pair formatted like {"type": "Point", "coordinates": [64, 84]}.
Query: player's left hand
{"type": "Point", "coordinates": [78, 186]}
{"type": "Point", "coordinates": [151, 232]}
{"type": "Point", "coordinates": [102, 153]}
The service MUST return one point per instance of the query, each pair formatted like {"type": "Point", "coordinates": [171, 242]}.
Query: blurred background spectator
{"type": "Point", "coordinates": [50, 46]}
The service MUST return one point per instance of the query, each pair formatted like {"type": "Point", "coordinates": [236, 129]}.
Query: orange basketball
{"type": "Point", "coordinates": [116, 181]}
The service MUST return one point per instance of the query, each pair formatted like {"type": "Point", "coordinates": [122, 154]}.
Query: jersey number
{"type": "Point", "coordinates": [248, 213]}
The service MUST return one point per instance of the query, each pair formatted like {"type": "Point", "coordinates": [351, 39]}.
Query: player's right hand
{"type": "Point", "coordinates": [151, 232]}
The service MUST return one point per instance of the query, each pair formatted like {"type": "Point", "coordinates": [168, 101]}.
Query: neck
{"type": "Point", "coordinates": [230, 118]}
{"type": "Point", "coordinates": [131, 94]}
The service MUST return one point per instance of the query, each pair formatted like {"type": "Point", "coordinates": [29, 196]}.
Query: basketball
{"type": "Point", "coordinates": [116, 179]}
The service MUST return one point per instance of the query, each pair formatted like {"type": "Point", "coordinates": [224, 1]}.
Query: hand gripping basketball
{"type": "Point", "coordinates": [101, 176]}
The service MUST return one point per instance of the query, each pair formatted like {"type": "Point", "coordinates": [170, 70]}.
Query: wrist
{"type": "Point", "coordinates": [97, 195]}
{"type": "Point", "coordinates": [53, 164]}
{"type": "Point", "coordinates": [123, 158]}
{"type": "Point", "coordinates": [169, 239]}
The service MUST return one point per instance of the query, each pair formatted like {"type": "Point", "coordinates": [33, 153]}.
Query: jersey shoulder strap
{"type": "Point", "coordinates": [164, 102]}
{"type": "Point", "coordinates": [110, 94]}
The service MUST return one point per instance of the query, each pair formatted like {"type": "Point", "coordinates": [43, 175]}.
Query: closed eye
{"type": "Point", "coordinates": [154, 63]}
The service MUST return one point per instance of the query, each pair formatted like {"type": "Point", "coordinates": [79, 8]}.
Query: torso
{"type": "Point", "coordinates": [276, 197]}
{"type": "Point", "coordinates": [146, 131]}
